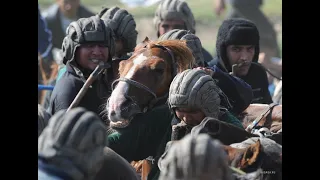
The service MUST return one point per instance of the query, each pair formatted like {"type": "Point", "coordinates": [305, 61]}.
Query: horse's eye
{"type": "Point", "coordinates": [159, 71]}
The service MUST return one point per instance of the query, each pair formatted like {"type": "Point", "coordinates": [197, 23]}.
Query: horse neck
{"type": "Point", "coordinates": [162, 100]}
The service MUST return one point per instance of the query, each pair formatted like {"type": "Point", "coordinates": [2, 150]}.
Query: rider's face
{"type": "Point", "coordinates": [241, 54]}
{"type": "Point", "coordinates": [190, 116]}
{"type": "Point", "coordinates": [89, 55]}
{"type": "Point", "coordinates": [168, 25]}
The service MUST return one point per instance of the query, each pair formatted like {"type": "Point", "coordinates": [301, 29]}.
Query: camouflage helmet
{"type": "Point", "coordinates": [194, 88]}
{"type": "Point", "coordinates": [87, 30]}
{"type": "Point", "coordinates": [193, 42]}
{"type": "Point", "coordinates": [174, 9]}
{"type": "Point", "coordinates": [123, 25]}
{"type": "Point", "coordinates": [194, 157]}
{"type": "Point", "coordinates": [74, 142]}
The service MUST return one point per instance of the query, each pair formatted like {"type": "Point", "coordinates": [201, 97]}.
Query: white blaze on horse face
{"type": "Point", "coordinates": [117, 97]}
{"type": "Point", "coordinates": [136, 62]}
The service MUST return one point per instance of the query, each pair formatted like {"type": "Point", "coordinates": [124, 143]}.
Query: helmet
{"type": "Point", "coordinates": [174, 9]}
{"type": "Point", "coordinates": [193, 42]}
{"type": "Point", "coordinates": [123, 25]}
{"type": "Point", "coordinates": [86, 30]}
{"type": "Point", "coordinates": [193, 88]}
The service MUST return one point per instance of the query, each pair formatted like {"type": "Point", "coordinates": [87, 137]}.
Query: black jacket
{"type": "Point", "coordinates": [256, 78]}
{"type": "Point", "coordinates": [238, 92]}
{"type": "Point", "coordinates": [67, 88]}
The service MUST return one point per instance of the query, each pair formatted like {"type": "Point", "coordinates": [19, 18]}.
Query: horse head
{"type": "Point", "coordinates": [144, 79]}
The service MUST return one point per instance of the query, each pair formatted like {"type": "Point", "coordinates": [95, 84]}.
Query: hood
{"type": "Point", "coordinates": [236, 31]}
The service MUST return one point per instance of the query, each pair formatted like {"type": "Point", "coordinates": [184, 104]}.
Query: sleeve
{"type": "Point", "coordinates": [229, 118]}
{"type": "Point", "coordinates": [66, 92]}
{"type": "Point", "coordinates": [44, 37]}
{"type": "Point", "coordinates": [238, 91]}
{"type": "Point", "coordinates": [143, 135]}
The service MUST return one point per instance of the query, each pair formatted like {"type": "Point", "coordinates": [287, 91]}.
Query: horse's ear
{"type": "Point", "coordinates": [146, 40]}
{"type": "Point", "coordinates": [251, 154]}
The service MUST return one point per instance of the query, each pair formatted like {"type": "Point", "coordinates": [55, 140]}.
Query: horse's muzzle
{"type": "Point", "coordinates": [123, 111]}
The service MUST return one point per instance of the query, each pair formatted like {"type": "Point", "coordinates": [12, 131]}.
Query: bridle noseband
{"type": "Point", "coordinates": [155, 99]}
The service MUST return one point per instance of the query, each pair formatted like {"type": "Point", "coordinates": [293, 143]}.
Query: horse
{"type": "Point", "coordinates": [145, 78]}
{"type": "Point", "coordinates": [151, 69]}
{"type": "Point", "coordinates": [270, 115]}
{"type": "Point", "coordinates": [46, 76]}
{"type": "Point", "coordinates": [254, 154]}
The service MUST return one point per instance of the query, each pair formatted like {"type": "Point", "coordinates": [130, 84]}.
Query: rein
{"type": "Point", "coordinates": [267, 112]}
{"type": "Point", "coordinates": [155, 99]}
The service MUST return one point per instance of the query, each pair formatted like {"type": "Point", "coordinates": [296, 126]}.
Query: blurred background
{"type": "Point", "coordinates": [207, 23]}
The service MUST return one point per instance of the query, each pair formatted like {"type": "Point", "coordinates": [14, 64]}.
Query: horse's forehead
{"type": "Point", "coordinates": [148, 57]}
{"type": "Point", "coordinates": [139, 59]}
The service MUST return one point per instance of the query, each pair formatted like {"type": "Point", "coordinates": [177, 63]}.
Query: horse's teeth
{"type": "Point", "coordinates": [95, 60]}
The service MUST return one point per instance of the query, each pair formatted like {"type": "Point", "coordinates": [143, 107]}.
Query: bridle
{"type": "Point", "coordinates": [155, 99]}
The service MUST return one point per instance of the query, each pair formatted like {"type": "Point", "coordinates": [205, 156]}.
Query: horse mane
{"type": "Point", "coordinates": [182, 53]}
{"type": "Point", "coordinates": [179, 48]}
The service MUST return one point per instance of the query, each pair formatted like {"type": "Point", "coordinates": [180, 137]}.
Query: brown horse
{"type": "Point", "coordinates": [46, 76]}
{"type": "Point", "coordinates": [145, 79]}
{"type": "Point", "coordinates": [254, 154]}
{"type": "Point", "coordinates": [267, 119]}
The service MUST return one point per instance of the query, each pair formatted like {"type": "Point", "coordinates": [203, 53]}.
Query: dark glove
{"type": "Point", "coordinates": [179, 131]}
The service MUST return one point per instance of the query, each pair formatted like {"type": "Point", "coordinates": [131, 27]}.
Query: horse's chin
{"type": "Point", "coordinates": [120, 124]}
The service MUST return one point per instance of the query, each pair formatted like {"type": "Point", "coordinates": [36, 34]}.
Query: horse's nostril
{"type": "Point", "coordinates": [127, 102]}
{"type": "Point", "coordinates": [112, 113]}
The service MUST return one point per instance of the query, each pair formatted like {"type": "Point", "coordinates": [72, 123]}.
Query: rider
{"type": "Point", "coordinates": [194, 95]}
{"type": "Point", "coordinates": [239, 93]}
{"type": "Point", "coordinates": [59, 15]}
{"type": "Point", "coordinates": [237, 49]}
{"type": "Point", "coordinates": [71, 146]}
{"type": "Point", "coordinates": [176, 14]}
{"type": "Point", "coordinates": [124, 26]}
{"type": "Point", "coordinates": [88, 42]}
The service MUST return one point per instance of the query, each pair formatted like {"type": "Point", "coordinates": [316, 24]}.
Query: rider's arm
{"type": "Point", "coordinates": [238, 91]}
